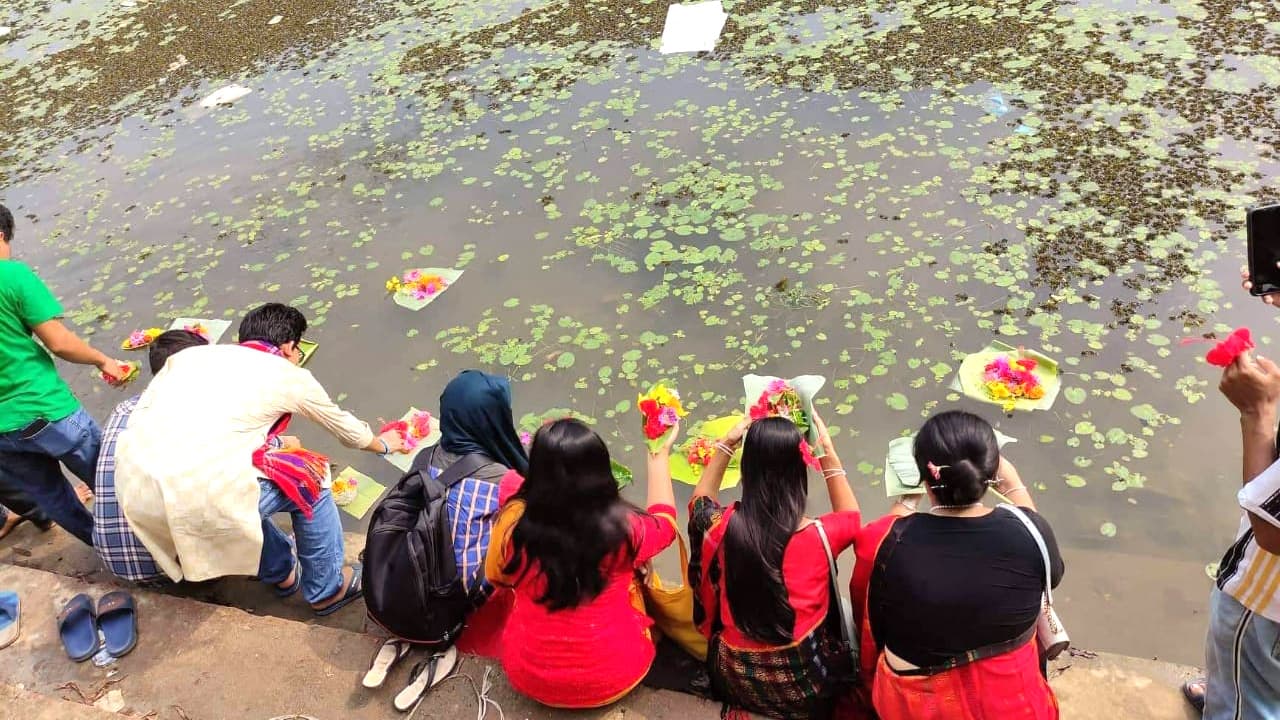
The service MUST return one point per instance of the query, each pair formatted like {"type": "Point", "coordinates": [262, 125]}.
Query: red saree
{"type": "Point", "coordinates": [995, 688]}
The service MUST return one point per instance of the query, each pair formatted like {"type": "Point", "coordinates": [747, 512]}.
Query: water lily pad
{"type": "Point", "coordinates": [1108, 529]}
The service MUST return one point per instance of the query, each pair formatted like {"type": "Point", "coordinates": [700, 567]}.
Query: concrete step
{"type": "Point", "coordinates": [58, 552]}
{"type": "Point", "coordinates": [198, 661]}
{"type": "Point", "coordinates": [231, 649]}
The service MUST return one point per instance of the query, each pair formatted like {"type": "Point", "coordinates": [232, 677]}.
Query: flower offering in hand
{"type": "Point", "coordinates": [198, 329]}
{"type": "Point", "coordinates": [1008, 379]}
{"type": "Point", "coordinates": [139, 339]}
{"type": "Point", "coordinates": [662, 410]}
{"type": "Point", "coordinates": [1226, 352]}
{"type": "Point", "coordinates": [130, 370]}
{"type": "Point", "coordinates": [417, 284]}
{"type": "Point", "coordinates": [779, 399]}
{"type": "Point", "coordinates": [411, 431]}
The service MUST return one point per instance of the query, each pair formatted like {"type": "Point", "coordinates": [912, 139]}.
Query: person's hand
{"type": "Point", "coordinates": [1272, 299]}
{"type": "Point", "coordinates": [824, 437]}
{"type": "Point", "coordinates": [395, 442]}
{"type": "Point", "coordinates": [1007, 475]}
{"type": "Point", "coordinates": [289, 442]}
{"type": "Point", "coordinates": [115, 371]}
{"type": "Point", "coordinates": [1252, 384]}
{"type": "Point", "coordinates": [669, 442]}
{"type": "Point", "coordinates": [734, 437]}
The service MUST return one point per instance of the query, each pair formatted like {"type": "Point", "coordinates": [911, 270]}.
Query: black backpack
{"type": "Point", "coordinates": [411, 583]}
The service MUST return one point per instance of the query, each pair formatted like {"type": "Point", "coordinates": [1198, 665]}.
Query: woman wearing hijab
{"type": "Point", "coordinates": [475, 418]}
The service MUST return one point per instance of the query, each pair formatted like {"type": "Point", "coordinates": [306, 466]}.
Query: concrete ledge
{"type": "Point", "coordinates": [1115, 687]}
{"type": "Point", "coordinates": [199, 661]}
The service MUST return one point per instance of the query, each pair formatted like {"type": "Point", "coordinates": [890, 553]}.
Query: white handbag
{"type": "Point", "coordinates": [1051, 636]}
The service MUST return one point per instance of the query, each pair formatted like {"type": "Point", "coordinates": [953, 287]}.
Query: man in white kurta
{"type": "Point", "coordinates": [184, 472]}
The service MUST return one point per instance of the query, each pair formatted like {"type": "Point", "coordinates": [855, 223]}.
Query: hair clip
{"type": "Point", "coordinates": [936, 470]}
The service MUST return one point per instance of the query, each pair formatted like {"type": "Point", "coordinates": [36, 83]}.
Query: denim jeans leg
{"type": "Point", "coordinates": [320, 548]}
{"type": "Point", "coordinates": [1242, 663]}
{"type": "Point", "coordinates": [16, 500]}
{"type": "Point", "coordinates": [40, 478]}
{"type": "Point", "coordinates": [277, 552]}
{"type": "Point", "coordinates": [82, 458]}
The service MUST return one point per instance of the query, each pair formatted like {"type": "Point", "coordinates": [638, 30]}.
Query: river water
{"type": "Point", "coordinates": [868, 193]}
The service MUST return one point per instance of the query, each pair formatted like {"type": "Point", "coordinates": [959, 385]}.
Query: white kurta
{"type": "Point", "coordinates": [184, 465]}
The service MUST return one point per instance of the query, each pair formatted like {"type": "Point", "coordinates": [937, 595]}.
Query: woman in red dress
{"type": "Point", "coordinates": [763, 594]}
{"type": "Point", "coordinates": [569, 548]}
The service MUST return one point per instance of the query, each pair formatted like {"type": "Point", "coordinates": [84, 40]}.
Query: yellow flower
{"type": "Point", "coordinates": [393, 284]}
{"type": "Point", "coordinates": [667, 398]}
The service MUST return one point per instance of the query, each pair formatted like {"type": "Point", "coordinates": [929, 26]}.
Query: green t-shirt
{"type": "Point", "coordinates": [30, 388]}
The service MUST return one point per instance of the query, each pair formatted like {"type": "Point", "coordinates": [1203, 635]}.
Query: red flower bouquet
{"type": "Point", "coordinates": [662, 410]}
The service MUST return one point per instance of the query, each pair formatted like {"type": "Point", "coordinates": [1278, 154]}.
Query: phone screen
{"type": "Point", "coordinates": [1263, 225]}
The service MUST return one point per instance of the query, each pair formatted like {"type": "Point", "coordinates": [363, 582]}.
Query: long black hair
{"type": "Point", "coordinates": [963, 447]}
{"type": "Point", "coordinates": [775, 486]}
{"type": "Point", "coordinates": [574, 518]}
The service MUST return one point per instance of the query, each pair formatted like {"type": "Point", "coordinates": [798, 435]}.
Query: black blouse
{"type": "Point", "coordinates": [950, 585]}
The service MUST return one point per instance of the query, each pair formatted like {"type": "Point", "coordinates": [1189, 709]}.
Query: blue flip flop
{"type": "Point", "coordinates": [118, 620]}
{"type": "Point", "coordinates": [78, 629]}
{"type": "Point", "coordinates": [10, 617]}
{"type": "Point", "coordinates": [353, 592]}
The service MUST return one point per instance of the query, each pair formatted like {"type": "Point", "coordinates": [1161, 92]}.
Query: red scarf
{"type": "Point", "coordinates": [297, 472]}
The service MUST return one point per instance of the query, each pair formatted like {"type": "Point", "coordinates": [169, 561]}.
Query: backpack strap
{"type": "Point", "coordinates": [463, 468]}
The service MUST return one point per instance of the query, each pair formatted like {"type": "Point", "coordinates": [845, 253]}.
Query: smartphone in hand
{"type": "Point", "coordinates": [1263, 228]}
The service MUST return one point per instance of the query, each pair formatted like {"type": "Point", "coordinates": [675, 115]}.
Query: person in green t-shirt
{"type": "Point", "coordinates": [41, 422]}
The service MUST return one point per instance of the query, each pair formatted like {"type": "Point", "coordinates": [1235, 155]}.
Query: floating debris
{"type": "Point", "coordinates": [693, 28]}
{"type": "Point", "coordinates": [275, 20]}
{"type": "Point", "coordinates": [225, 96]}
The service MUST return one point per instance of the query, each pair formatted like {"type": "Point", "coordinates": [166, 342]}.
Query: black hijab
{"type": "Point", "coordinates": [475, 417]}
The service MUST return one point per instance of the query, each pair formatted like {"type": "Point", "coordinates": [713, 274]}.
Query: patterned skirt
{"type": "Point", "coordinates": [801, 680]}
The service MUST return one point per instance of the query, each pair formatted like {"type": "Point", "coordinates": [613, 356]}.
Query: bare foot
{"type": "Point", "coordinates": [84, 493]}
{"type": "Point", "coordinates": [289, 581]}
{"type": "Point", "coordinates": [342, 590]}
{"type": "Point", "coordinates": [11, 521]}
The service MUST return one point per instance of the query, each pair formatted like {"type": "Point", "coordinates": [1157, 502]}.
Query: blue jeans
{"type": "Point", "coordinates": [30, 466]}
{"type": "Point", "coordinates": [1242, 660]}
{"type": "Point", "coordinates": [320, 551]}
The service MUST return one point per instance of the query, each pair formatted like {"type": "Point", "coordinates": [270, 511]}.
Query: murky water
{"type": "Point", "coordinates": [868, 193]}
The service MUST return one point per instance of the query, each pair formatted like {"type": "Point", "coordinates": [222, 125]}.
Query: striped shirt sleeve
{"type": "Point", "coordinates": [1261, 495]}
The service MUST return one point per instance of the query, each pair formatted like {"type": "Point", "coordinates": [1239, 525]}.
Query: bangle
{"type": "Point", "coordinates": [722, 447]}
{"type": "Point", "coordinates": [911, 504]}
{"type": "Point", "coordinates": [386, 449]}
{"type": "Point", "coordinates": [834, 473]}
{"type": "Point", "coordinates": [1014, 489]}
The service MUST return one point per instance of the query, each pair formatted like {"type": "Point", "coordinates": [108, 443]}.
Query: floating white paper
{"type": "Point", "coordinates": [275, 20]}
{"type": "Point", "coordinates": [5, 30]}
{"type": "Point", "coordinates": [225, 96]}
{"type": "Point", "coordinates": [693, 28]}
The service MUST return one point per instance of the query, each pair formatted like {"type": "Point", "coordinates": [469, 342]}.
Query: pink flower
{"type": "Point", "coordinates": [412, 275]}
{"type": "Point", "coordinates": [806, 453]}
{"type": "Point", "coordinates": [525, 438]}
{"type": "Point", "coordinates": [776, 386]}
{"type": "Point", "coordinates": [668, 416]}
